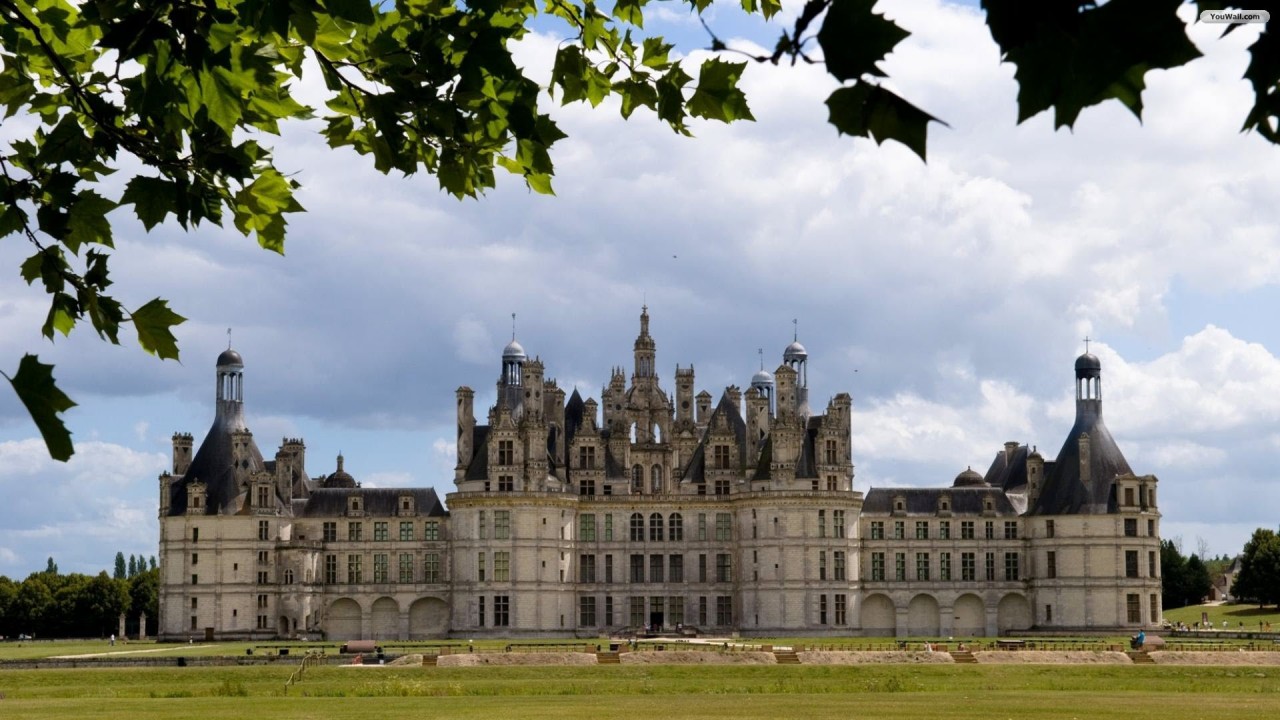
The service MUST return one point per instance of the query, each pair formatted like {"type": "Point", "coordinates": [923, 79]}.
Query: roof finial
{"type": "Point", "coordinates": [228, 338]}
{"type": "Point", "coordinates": [513, 327]}
{"type": "Point", "coordinates": [760, 351]}
{"type": "Point", "coordinates": [795, 334]}
{"type": "Point", "coordinates": [1086, 344]}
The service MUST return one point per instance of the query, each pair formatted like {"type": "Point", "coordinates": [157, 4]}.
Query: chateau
{"type": "Point", "coordinates": [650, 509]}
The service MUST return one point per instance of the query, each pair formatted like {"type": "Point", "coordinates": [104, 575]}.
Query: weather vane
{"type": "Point", "coordinates": [228, 338]}
{"type": "Point", "coordinates": [513, 327]}
{"type": "Point", "coordinates": [761, 352]}
{"type": "Point", "coordinates": [795, 336]}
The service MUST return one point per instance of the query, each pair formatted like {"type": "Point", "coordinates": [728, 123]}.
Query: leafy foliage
{"type": "Point", "coordinates": [179, 97]}
{"type": "Point", "coordinates": [1259, 576]}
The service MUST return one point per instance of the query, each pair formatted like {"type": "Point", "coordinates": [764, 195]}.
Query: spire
{"type": "Point", "coordinates": [645, 348]}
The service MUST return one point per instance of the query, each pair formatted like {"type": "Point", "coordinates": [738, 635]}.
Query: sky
{"type": "Point", "coordinates": [950, 299]}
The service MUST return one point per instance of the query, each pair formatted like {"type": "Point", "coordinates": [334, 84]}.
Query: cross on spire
{"type": "Point", "coordinates": [761, 353]}
{"type": "Point", "coordinates": [795, 334]}
{"type": "Point", "coordinates": [1086, 344]}
{"type": "Point", "coordinates": [228, 338]}
{"type": "Point", "coordinates": [513, 327]}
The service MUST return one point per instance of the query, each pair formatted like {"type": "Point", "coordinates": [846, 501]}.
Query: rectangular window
{"type": "Point", "coordinates": [587, 611]}
{"type": "Point", "coordinates": [506, 452]}
{"type": "Point", "coordinates": [1011, 571]}
{"type": "Point", "coordinates": [1131, 527]}
{"type": "Point", "coordinates": [702, 526]}
{"type": "Point", "coordinates": [675, 611]}
{"type": "Point", "coordinates": [380, 567]}
{"type": "Point", "coordinates": [944, 566]}
{"type": "Point", "coordinates": [966, 529]}
{"type": "Point", "coordinates": [1155, 607]}
{"type": "Point", "coordinates": [431, 530]}
{"type": "Point", "coordinates": [829, 452]}
{"type": "Point", "coordinates": [587, 457]}
{"type": "Point", "coordinates": [608, 528]}
{"type": "Point", "coordinates": [502, 567]}
{"type": "Point", "coordinates": [968, 567]}
{"type": "Point", "coordinates": [501, 611]}
{"type": "Point", "coordinates": [501, 524]}
{"type": "Point", "coordinates": [1128, 496]}
{"type": "Point", "coordinates": [587, 487]}
{"type": "Point", "coordinates": [331, 569]}
{"type": "Point", "coordinates": [724, 526]}
{"type": "Point", "coordinates": [724, 571]}
{"type": "Point", "coordinates": [724, 610]}
{"type": "Point", "coordinates": [822, 564]}
{"type": "Point", "coordinates": [1048, 613]}
{"type": "Point", "coordinates": [1010, 529]}
{"type": "Point", "coordinates": [264, 530]}
{"type": "Point", "coordinates": [822, 523]}
{"type": "Point", "coordinates": [702, 610]}
{"type": "Point", "coordinates": [638, 619]}
{"type": "Point", "coordinates": [355, 531]}
{"type": "Point", "coordinates": [1151, 528]}
{"type": "Point", "coordinates": [1131, 563]}
{"type": "Point", "coordinates": [608, 568]}
{"type": "Point", "coordinates": [899, 566]}
{"type": "Point", "coordinates": [406, 531]}
{"type": "Point", "coordinates": [483, 520]}
{"type": "Point", "coordinates": [1048, 529]}
{"type": "Point", "coordinates": [506, 483]}
{"type": "Point", "coordinates": [837, 523]}
{"type": "Point", "coordinates": [899, 530]}
{"type": "Point", "coordinates": [263, 578]}
{"type": "Point", "coordinates": [922, 529]}
{"type": "Point", "coordinates": [1151, 564]}
{"type": "Point", "coordinates": [587, 527]}
{"type": "Point", "coordinates": [354, 573]}
{"type": "Point", "coordinates": [702, 568]}
{"type": "Point", "coordinates": [838, 566]}
{"type": "Point", "coordinates": [195, 534]}
{"type": "Point", "coordinates": [675, 527]}
{"type": "Point", "coordinates": [944, 529]}
{"type": "Point", "coordinates": [677, 569]}
{"type": "Point", "coordinates": [637, 568]}
{"type": "Point", "coordinates": [991, 567]}
{"type": "Point", "coordinates": [406, 568]}
{"type": "Point", "coordinates": [480, 566]}
{"type": "Point", "coordinates": [380, 533]}
{"type": "Point", "coordinates": [264, 557]}
{"type": "Point", "coordinates": [1134, 605]}
{"type": "Point", "coordinates": [195, 558]}
{"type": "Point", "coordinates": [195, 579]}
{"type": "Point", "coordinates": [331, 532]}
{"type": "Point", "coordinates": [842, 612]}
{"type": "Point", "coordinates": [722, 487]}
{"type": "Point", "coordinates": [431, 568]}
{"type": "Point", "coordinates": [922, 566]}
{"type": "Point", "coordinates": [721, 454]}
{"type": "Point", "coordinates": [877, 566]}
{"type": "Point", "coordinates": [989, 530]}
{"type": "Point", "coordinates": [608, 610]}
{"type": "Point", "coordinates": [1051, 564]}
{"type": "Point", "coordinates": [637, 527]}
{"type": "Point", "coordinates": [481, 609]}
{"type": "Point", "coordinates": [586, 568]}
{"type": "Point", "coordinates": [822, 609]}
{"type": "Point", "coordinates": [657, 564]}
{"type": "Point", "coordinates": [877, 529]}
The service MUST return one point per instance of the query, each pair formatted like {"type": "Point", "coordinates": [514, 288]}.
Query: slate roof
{"type": "Point", "coordinates": [212, 466]}
{"type": "Point", "coordinates": [1063, 492]}
{"type": "Point", "coordinates": [924, 501]}
{"type": "Point", "coordinates": [478, 469]}
{"type": "Point", "coordinates": [376, 502]}
{"type": "Point", "coordinates": [1008, 473]}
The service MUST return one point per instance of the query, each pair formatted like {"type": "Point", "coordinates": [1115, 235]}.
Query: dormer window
{"type": "Point", "coordinates": [406, 504]}
{"type": "Point", "coordinates": [899, 505]}
{"type": "Point", "coordinates": [944, 505]}
{"type": "Point", "coordinates": [354, 505]}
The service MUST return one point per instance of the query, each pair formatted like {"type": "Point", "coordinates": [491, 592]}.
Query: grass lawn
{"type": "Point", "coordinates": [1233, 614]}
{"type": "Point", "coordinates": [899, 691]}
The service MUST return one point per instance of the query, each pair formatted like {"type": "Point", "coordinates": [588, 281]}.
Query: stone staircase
{"type": "Point", "coordinates": [608, 658]}
{"type": "Point", "coordinates": [786, 657]}
{"type": "Point", "coordinates": [429, 660]}
{"type": "Point", "coordinates": [963, 657]}
{"type": "Point", "coordinates": [1140, 657]}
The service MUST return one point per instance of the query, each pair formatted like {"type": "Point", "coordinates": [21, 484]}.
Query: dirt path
{"type": "Point", "coordinates": [127, 652]}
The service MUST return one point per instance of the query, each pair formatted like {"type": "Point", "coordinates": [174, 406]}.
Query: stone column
{"type": "Point", "coordinates": [142, 626]}
{"type": "Point", "coordinates": [120, 634]}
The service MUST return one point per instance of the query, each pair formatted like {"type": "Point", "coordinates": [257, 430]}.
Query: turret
{"type": "Point", "coordinates": [165, 481]}
{"type": "Point", "coordinates": [181, 453]}
{"type": "Point", "coordinates": [645, 352]}
{"type": "Point", "coordinates": [510, 383]}
{"type": "Point", "coordinates": [466, 430]}
{"type": "Point", "coordinates": [684, 396]}
{"type": "Point", "coordinates": [230, 389]}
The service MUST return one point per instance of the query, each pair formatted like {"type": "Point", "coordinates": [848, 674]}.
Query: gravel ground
{"type": "Point", "coordinates": [1048, 657]}
{"type": "Point", "coordinates": [835, 657]}
{"type": "Point", "coordinates": [694, 657]}
{"type": "Point", "coordinates": [548, 658]}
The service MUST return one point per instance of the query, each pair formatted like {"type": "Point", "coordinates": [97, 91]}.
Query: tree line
{"type": "Point", "coordinates": [48, 604]}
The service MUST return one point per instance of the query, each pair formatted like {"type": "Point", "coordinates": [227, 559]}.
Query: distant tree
{"type": "Point", "coordinates": [133, 566]}
{"type": "Point", "coordinates": [120, 569]}
{"type": "Point", "coordinates": [31, 605]}
{"type": "Point", "coordinates": [153, 562]}
{"type": "Point", "coordinates": [8, 595]}
{"type": "Point", "coordinates": [144, 594]}
{"type": "Point", "coordinates": [1198, 582]}
{"type": "Point", "coordinates": [1173, 575]}
{"type": "Point", "coordinates": [52, 567]}
{"type": "Point", "coordinates": [1259, 576]}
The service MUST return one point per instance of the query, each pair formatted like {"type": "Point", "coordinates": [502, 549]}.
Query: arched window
{"type": "Point", "coordinates": [655, 527]}
{"type": "Point", "coordinates": [655, 479]}
{"type": "Point", "coordinates": [657, 433]}
{"type": "Point", "coordinates": [637, 527]}
{"type": "Point", "coordinates": [288, 577]}
{"type": "Point", "coordinates": [675, 527]}
{"type": "Point", "coordinates": [637, 479]}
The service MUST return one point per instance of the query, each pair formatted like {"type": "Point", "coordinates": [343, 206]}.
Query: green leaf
{"type": "Point", "coordinates": [152, 199]}
{"type": "Point", "coordinates": [87, 221]}
{"type": "Point", "coordinates": [630, 11]}
{"type": "Point", "coordinates": [153, 322]}
{"type": "Point", "coordinates": [12, 220]}
{"type": "Point", "coordinates": [855, 39]}
{"type": "Point", "coordinates": [357, 11]}
{"type": "Point", "coordinates": [717, 96]}
{"type": "Point", "coordinates": [37, 390]}
{"type": "Point", "coordinates": [260, 207]}
{"type": "Point", "coordinates": [871, 111]}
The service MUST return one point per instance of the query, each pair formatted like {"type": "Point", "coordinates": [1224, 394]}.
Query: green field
{"type": "Point", "coordinates": [1233, 614]}
{"type": "Point", "coordinates": [898, 691]}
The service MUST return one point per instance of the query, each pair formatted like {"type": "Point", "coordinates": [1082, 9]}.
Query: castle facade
{"type": "Point", "coordinates": [649, 509]}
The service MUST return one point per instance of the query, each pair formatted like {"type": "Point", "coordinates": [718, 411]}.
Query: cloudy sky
{"type": "Point", "coordinates": [949, 299]}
